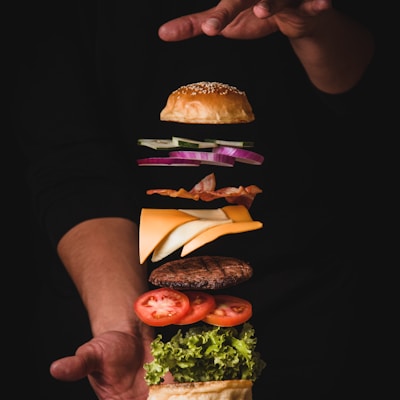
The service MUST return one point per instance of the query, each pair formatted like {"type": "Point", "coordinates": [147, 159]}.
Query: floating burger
{"type": "Point", "coordinates": [212, 355]}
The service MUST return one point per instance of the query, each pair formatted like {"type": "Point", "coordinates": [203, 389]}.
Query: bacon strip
{"type": "Point", "coordinates": [205, 190]}
{"type": "Point", "coordinates": [207, 184]}
{"type": "Point", "coordinates": [174, 193]}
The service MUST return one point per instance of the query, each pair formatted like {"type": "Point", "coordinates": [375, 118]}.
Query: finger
{"type": "Point", "coordinates": [223, 14]}
{"type": "Point", "coordinates": [267, 8]}
{"type": "Point", "coordinates": [181, 28]}
{"type": "Point", "coordinates": [72, 368]}
{"type": "Point", "coordinates": [210, 22]}
{"type": "Point", "coordinates": [69, 369]}
{"type": "Point", "coordinates": [320, 5]}
{"type": "Point", "coordinates": [248, 26]}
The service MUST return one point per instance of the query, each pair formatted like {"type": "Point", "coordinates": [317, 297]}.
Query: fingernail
{"type": "Point", "coordinates": [213, 23]}
{"type": "Point", "coordinates": [322, 4]}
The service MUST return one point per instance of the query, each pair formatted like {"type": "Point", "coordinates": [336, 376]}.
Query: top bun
{"type": "Point", "coordinates": [207, 103]}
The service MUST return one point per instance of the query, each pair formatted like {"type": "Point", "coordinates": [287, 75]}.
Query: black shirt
{"type": "Point", "coordinates": [93, 80]}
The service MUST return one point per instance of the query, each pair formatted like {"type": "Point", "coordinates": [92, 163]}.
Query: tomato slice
{"type": "Point", "coordinates": [161, 307]}
{"type": "Point", "coordinates": [201, 304]}
{"type": "Point", "coordinates": [230, 311]}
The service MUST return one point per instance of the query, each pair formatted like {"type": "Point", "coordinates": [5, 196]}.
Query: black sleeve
{"type": "Point", "coordinates": [362, 99]}
{"type": "Point", "coordinates": [359, 98]}
{"type": "Point", "coordinates": [76, 167]}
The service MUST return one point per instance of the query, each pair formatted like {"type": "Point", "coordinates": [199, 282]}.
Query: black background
{"type": "Point", "coordinates": [368, 366]}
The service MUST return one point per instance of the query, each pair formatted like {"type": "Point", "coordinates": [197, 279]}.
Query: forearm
{"type": "Point", "coordinates": [337, 52]}
{"type": "Point", "coordinates": [101, 256]}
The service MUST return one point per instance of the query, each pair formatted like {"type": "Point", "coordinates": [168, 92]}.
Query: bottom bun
{"type": "Point", "coordinates": [239, 389]}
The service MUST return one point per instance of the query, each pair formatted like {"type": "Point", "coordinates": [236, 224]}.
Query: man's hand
{"type": "Point", "coordinates": [113, 363]}
{"type": "Point", "coordinates": [249, 19]}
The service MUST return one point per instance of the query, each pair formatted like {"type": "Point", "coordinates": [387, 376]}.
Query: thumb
{"type": "Point", "coordinates": [71, 368]}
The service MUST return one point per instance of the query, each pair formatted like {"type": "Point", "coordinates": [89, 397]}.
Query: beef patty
{"type": "Point", "coordinates": [201, 272]}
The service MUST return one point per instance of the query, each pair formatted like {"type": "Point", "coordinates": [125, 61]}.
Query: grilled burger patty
{"type": "Point", "coordinates": [201, 272]}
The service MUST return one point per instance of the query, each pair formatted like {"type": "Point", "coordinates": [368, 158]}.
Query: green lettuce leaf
{"type": "Point", "coordinates": [206, 353]}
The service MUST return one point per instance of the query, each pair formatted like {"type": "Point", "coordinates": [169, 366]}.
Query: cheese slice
{"type": "Point", "coordinates": [163, 231]}
{"type": "Point", "coordinates": [237, 213]}
{"type": "Point", "coordinates": [182, 234]}
{"type": "Point", "coordinates": [155, 225]}
{"type": "Point", "coordinates": [242, 222]}
{"type": "Point", "coordinates": [215, 214]}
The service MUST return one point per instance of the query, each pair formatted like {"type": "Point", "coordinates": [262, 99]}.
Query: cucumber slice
{"type": "Point", "coordinates": [231, 143]}
{"type": "Point", "coordinates": [158, 144]}
{"type": "Point", "coordinates": [192, 144]}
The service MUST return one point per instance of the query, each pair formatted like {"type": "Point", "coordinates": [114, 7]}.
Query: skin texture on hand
{"type": "Point", "coordinates": [101, 256]}
{"type": "Point", "coordinates": [248, 19]}
{"type": "Point", "coordinates": [333, 49]}
{"type": "Point", "coordinates": [112, 362]}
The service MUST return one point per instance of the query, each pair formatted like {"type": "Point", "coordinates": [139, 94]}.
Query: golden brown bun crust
{"type": "Point", "coordinates": [207, 103]}
{"type": "Point", "coordinates": [239, 389]}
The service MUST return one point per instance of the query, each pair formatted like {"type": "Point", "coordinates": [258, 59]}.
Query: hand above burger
{"type": "Point", "coordinates": [251, 19]}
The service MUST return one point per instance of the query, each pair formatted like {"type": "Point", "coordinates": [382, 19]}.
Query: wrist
{"type": "Point", "coordinates": [113, 310]}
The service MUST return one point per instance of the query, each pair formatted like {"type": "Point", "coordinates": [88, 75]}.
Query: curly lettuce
{"type": "Point", "coordinates": [206, 353]}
